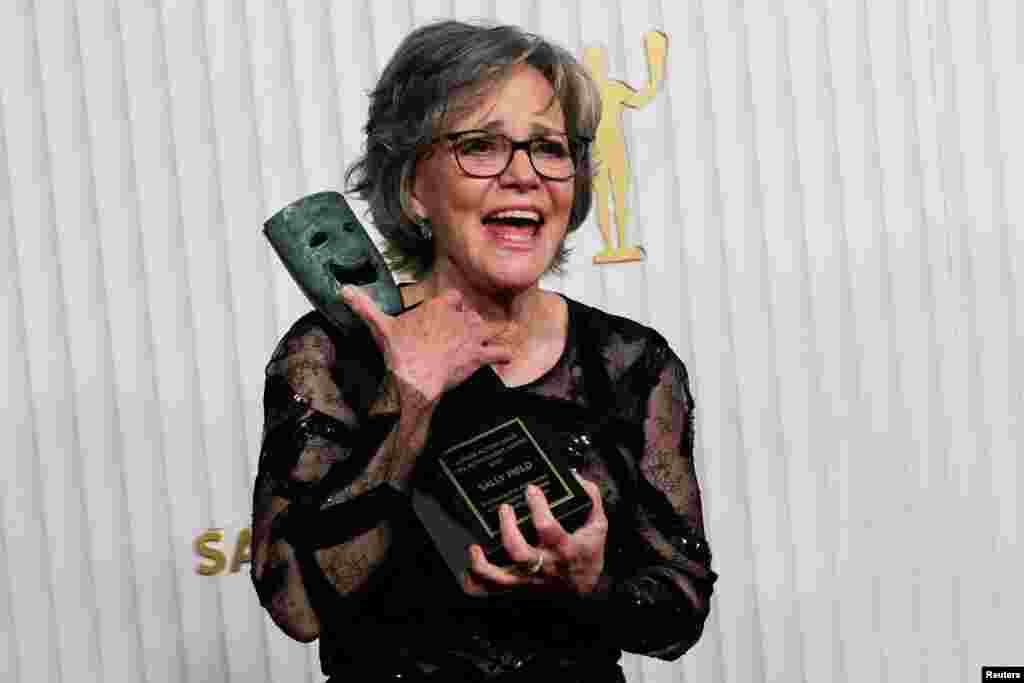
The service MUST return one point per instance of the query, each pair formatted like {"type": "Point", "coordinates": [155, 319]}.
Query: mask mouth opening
{"type": "Point", "coordinates": [361, 274]}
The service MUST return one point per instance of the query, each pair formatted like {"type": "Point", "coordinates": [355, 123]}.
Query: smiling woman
{"type": "Point", "coordinates": [495, 232]}
{"type": "Point", "coordinates": [477, 166]}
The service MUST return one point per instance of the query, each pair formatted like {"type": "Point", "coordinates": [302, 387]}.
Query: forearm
{"type": "Point", "coordinates": [395, 459]}
{"type": "Point", "coordinates": [663, 604]}
{"type": "Point", "coordinates": [648, 613]}
{"type": "Point", "coordinates": [289, 574]}
{"type": "Point", "coordinates": [655, 594]}
{"type": "Point", "coordinates": [344, 530]}
{"type": "Point", "coordinates": [278, 581]}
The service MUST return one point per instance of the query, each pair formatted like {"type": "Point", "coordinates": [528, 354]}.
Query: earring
{"type": "Point", "coordinates": [425, 230]}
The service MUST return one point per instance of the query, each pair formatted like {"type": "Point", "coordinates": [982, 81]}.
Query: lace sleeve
{"type": "Point", "coordinates": [658, 586]}
{"type": "Point", "coordinates": [314, 448]}
{"type": "Point", "coordinates": [678, 588]}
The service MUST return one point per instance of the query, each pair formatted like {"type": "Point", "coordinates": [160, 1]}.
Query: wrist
{"type": "Point", "coordinates": [411, 414]}
{"type": "Point", "coordinates": [397, 395]}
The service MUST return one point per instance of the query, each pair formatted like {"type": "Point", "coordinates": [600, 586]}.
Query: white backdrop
{"type": "Point", "coordinates": [829, 194]}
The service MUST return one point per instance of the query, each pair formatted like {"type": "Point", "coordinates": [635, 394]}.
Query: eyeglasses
{"type": "Point", "coordinates": [482, 154]}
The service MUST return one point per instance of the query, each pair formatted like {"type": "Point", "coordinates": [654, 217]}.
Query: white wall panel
{"type": "Point", "coordinates": [827, 193]}
{"type": "Point", "coordinates": [31, 631]}
{"type": "Point", "coordinates": [736, 646]}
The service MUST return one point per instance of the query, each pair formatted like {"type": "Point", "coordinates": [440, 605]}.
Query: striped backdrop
{"type": "Point", "coordinates": [830, 195]}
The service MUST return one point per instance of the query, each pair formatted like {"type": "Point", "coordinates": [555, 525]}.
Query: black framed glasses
{"type": "Point", "coordinates": [483, 154]}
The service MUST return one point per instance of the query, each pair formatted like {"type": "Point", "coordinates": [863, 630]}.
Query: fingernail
{"type": "Point", "coordinates": [532, 490]}
{"type": "Point", "coordinates": [347, 291]}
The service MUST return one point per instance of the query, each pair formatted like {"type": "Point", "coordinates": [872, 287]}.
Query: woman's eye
{"type": "Point", "coordinates": [551, 148]}
{"type": "Point", "coordinates": [478, 146]}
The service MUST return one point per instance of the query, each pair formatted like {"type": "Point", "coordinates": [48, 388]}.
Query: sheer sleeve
{"type": "Point", "coordinates": [670, 518]}
{"type": "Point", "coordinates": [315, 446]}
{"type": "Point", "coordinates": [656, 592]}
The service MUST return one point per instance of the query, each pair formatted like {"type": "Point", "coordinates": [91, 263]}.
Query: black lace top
{"type": "Point", "coordinates": [616, 382]}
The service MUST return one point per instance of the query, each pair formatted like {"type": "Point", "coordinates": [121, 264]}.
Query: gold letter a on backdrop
{"type": "Point", "coordinates": [611, 182]}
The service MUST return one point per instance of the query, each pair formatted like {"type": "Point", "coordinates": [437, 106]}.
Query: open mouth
{"type": "Point", "coordinates": [513, 222]}
{"type": "Point", "coordinates": [361, 274]}
{"type": "Point", "coordinates": [516, 218]}
{"type": "Point", "coordinates": [514, 225]}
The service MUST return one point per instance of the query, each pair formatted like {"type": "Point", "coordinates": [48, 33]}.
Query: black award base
{"type": "Point", "coordinates": [483, 462]}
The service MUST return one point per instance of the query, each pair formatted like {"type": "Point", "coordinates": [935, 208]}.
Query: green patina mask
{"type": "Point", "coordinates": [323, 246]}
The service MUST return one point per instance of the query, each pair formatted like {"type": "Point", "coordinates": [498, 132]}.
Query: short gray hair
{"type": "Point", "coordinates": [439, 70]}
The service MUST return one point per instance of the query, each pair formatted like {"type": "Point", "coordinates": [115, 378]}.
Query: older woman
{"type": "Point", "coordinates": [477, 166]}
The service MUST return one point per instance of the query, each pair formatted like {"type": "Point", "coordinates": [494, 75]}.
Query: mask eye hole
{"type": "Point", "coordinates": [318, 239]}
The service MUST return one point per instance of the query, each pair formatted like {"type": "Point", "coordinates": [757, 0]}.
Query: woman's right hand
{"type": "Point", "coordinates": [435, 346]}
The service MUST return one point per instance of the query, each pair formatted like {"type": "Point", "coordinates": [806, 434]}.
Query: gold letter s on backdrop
{"type": "Point", "coordinates": [611, 182]}
{"type": "Point", "coordinates": [207, 546]}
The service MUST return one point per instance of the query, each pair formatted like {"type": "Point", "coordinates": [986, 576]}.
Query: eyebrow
{"type": "Point", "coordinates": [535, 129]}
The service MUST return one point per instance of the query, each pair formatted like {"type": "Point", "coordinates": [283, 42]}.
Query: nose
{"type": "Point", "coordinates": [520, 171]}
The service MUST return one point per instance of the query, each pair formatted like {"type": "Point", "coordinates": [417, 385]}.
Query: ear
{"type": "Point", "coordinates": [412, 190]}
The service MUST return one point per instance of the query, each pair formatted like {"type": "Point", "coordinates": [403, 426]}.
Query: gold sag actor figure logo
{"type": "Point", "coordinates": [612, 179]}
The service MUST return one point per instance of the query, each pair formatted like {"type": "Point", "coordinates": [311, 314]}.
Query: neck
{"type": "Point", "coordinates": [519, 306]}
{"type": "Point", "coordinates": [540, 323]}
{"type": "Point", "coordinates": [534, 311]}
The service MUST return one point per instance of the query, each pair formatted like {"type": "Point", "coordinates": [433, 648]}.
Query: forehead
{"type": "Point", "coordinates": [524, 101]}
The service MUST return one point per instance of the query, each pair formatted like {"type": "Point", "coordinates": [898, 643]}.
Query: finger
{"type": "Point", "coordinates": [363, 305]}
{"type": "Point", "coordinates": [594, 493]}
{"type": "Point", "coordinates": [472, 583]}
{"type": "Point", "coordinates": [472, 586]}
{"type": "Point", "coordinates": [452, 298]}
{"type": "Point", "coordinates": [550, 533]}
{"type": "Point", "coordinates": [512, 539]}
{"type": "Point", "coordinates": [489, 577]}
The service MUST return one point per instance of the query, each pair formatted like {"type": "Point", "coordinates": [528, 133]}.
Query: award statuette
{"type": "Point", "coordinates": [323, 247]}
{"type": "Point", "coordinates": [471, 471]}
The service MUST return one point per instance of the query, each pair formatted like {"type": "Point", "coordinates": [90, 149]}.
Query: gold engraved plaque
{"type": "Point", "coordinates": [459, 503]}
{"type": "Point", "coordinates": [495, 467]}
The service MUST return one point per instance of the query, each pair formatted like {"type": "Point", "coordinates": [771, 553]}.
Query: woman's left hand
{"type": "Point", "coordinates": [560, 560]}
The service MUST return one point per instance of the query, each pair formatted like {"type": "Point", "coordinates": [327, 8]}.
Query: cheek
{"type": "Point", "coordinates": [460, 199]}
{"type": "Point", "coordinates": [437, 193]}
{"type": "Point", "coordinates": [563, 197]}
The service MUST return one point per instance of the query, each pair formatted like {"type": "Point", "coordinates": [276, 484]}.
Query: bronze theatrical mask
{"type": "Point", "coordinates": [324, 246]}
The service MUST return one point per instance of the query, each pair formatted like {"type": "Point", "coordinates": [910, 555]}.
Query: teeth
{"type": "Point", "coordinates": [516, 213]}
{"type": "Point", "coordinates": [515, 237]}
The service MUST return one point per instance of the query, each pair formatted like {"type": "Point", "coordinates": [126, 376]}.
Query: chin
{"type": "Point", "coordinates": [509, 276]}
{"type": "Point", "coordinates": [510, 282]}
{"type": "Point", "coordinates": [513, 285]}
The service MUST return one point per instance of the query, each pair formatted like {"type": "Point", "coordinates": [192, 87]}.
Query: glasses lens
{"type": "Point", "coordinates": [552, 157]}
{"type": "Point", "coordinates": [482, 154]}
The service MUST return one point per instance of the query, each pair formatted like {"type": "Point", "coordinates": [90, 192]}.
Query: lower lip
{"type": "Point", "coordinates": [514, 239]}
